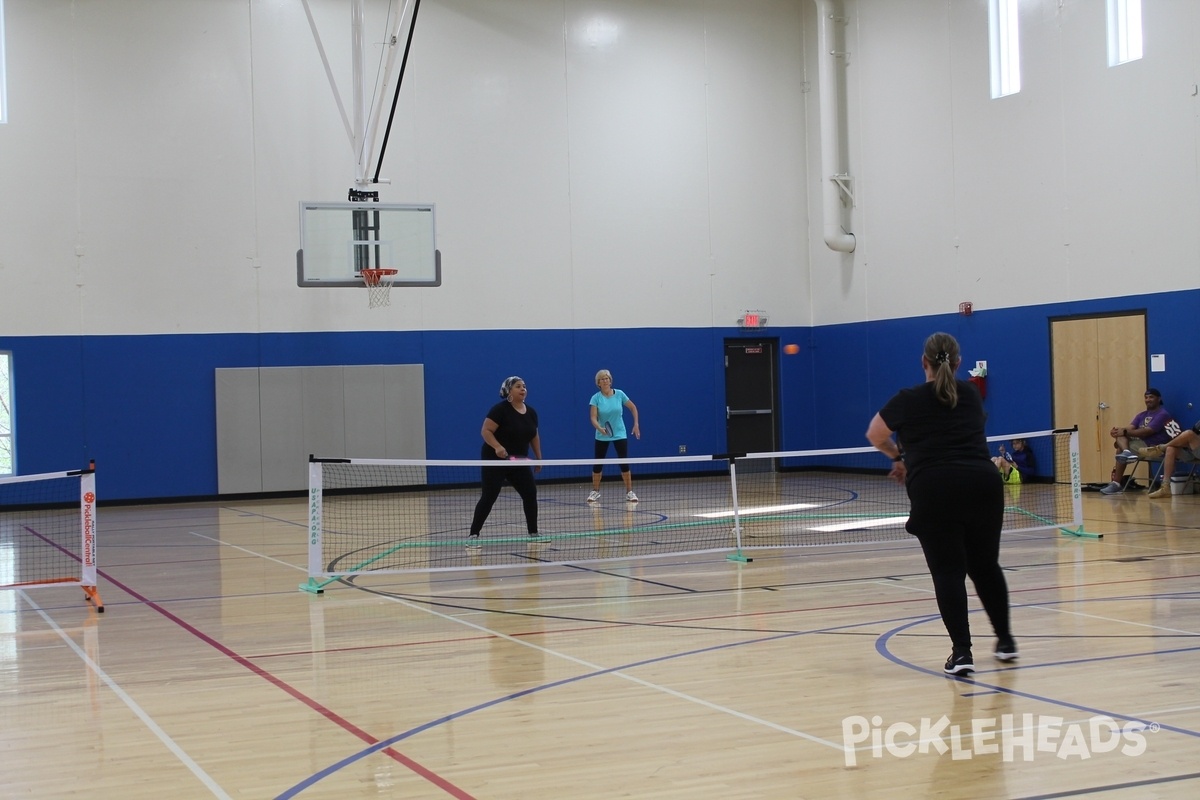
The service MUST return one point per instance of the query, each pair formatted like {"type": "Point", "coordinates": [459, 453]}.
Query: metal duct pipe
{"type": "Point", "coordinates": [834, 183]}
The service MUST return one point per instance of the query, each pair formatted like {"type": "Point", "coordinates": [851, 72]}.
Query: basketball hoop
{"type": "Point", "coordinates": [379, 286]}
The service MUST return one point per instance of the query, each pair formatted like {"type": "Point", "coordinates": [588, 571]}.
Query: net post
{"type": "Point", "coordinates": [315, 529]}
{"type": "Point", "coordinates": [1076, 491]}
{"type": "Point", "coordinates": [87, 526]}
{"type": "Point", "coordinates": [737, 554]}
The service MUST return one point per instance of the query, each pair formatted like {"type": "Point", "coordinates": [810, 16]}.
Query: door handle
{"type": "Point", "coordinates": [1103, 406]}
{"type": "Point", "coordinates": [742, 412]}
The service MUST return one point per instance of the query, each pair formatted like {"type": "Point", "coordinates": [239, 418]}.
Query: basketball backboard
{"type": "Point", "coordinates": [339, 240]}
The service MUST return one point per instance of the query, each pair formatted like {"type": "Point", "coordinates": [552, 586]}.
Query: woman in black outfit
{"type": "Point", "coordinates": [956, 494]}
{"type": "Point", "coordinates": [509, 431]}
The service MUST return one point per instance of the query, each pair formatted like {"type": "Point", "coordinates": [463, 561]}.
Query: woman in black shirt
{"type": "Point", "coordinates": [956, 494]}
{"type": "Point", "coordinates": [509, 431]}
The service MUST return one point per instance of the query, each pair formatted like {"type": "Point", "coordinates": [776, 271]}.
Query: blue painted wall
{"type": "Point", "coordinates": [144, 406]}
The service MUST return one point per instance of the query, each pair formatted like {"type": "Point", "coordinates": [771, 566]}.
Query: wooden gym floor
{"type": "Point", "coordinates": [211, 675]}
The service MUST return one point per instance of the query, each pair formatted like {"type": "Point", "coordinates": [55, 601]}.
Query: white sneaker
{"type": "Point", "coordinates": [630, 497]}
{"type": "Point", "coordinates": [593, 497]}
{"type": "Point", "coordinates": [1112, 488]}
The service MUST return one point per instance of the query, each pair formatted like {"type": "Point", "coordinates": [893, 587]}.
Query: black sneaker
{"type": "Point", "coordinates": [1006, 650]}
{"type": "Point", "coordinates": [959, 663]}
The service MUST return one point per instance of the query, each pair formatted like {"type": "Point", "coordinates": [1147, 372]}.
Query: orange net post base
{"type": "Point", "coordinates": [379, 286]}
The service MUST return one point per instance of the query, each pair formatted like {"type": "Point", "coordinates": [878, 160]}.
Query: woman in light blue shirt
{"type": "Point", "coordinates": [608, 418]}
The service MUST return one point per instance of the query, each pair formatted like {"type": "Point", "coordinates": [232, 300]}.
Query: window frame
{"type": "Point", "coordinates": [3, 71]}
{"type": "Point", "coordinates": [1126, 34]}
{"type": "Point", "coordinates": [1004, 47]}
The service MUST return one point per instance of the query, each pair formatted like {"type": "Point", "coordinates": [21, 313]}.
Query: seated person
{"type": "Point", "coordinates": [1147, 428]}
{"type": "Point", "coordinates": [1186, 446]}
{"type": "Point", "coordinates": [1016, 464]}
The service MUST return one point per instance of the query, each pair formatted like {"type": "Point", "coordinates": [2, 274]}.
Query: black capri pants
{"type": "Point", "coordinates": [620, 446]}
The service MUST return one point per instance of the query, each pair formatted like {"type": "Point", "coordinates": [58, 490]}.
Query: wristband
{"type": "Point", "coordinates": [899, 457]}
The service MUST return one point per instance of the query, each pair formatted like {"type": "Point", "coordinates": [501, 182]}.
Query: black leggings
{"type": "Point", "coordinates": [957, 514]}
{"type": "Point", "coordinates": [621, 446]}
{"type": "Point", "coordinates": [521, 479]}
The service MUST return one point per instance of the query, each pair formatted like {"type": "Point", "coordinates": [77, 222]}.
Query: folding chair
{"type": "Point", "coordinates": [1186, 458]}
{"type": "Point", "coordinates": [1153, 471]}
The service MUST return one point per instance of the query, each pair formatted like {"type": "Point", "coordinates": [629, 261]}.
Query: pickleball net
{"type": "Point", "coordinates": [48, 532]}
{"type": "Point", "coordinates": [381, 516]}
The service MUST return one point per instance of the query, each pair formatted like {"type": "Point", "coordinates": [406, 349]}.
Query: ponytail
{"type": "Point", "coordinates": [941, 351]}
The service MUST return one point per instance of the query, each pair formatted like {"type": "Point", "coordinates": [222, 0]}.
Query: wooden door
{"type": "Point", "coordinates": [1099, 378]}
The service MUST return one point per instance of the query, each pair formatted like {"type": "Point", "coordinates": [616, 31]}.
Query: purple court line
{"type": "Point", "coordinates": [881, 647]}
{"type": "Point", "coordinates": [341, 722]}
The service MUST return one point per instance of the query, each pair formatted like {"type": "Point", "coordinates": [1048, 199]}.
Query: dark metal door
{"type": "Point", "coordinates": [751, 395]}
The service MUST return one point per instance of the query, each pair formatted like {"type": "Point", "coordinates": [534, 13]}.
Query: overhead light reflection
{"type": "Point", "coordinates": [759, 510]}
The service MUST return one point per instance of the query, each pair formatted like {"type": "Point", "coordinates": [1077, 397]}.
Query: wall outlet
{"type": "Point", "coordinates": [683, 449]}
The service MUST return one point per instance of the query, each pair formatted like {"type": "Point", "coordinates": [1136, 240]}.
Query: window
{"type": "Point", "coordinates": [3, 74]}
{"type": "Point", "coordinates": [7, 451]}
{"type": "Point", "coordinates": [1124, 31]}
{"type": "Point", "coordinates": [1004, 47]}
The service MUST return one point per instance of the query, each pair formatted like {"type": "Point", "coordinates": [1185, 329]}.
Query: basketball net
{"type": "Point", "coordinates": [379, 286]}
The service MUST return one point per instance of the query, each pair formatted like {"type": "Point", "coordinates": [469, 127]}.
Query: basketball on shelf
{"type": "Point", "coordinates": [791, 349]}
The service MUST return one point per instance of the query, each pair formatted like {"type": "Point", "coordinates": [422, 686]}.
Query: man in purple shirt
{"type": "Point", "coordinates": [1150, 427]}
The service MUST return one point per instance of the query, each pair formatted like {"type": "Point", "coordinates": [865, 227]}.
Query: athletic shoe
{"type": "Point", "coordinates": [959, 663]}
{"type": "Point", "coordinates": [593, 497]}
{"type": "Point", "coordinates": [1112, 488]}
{"type": "Point", "coordinates": [473, 542]}
{"type": "Point", "coordinates": [1162, 491]}
{"type": "Point", "coordinates": [1127, 456]}
{"type": "Point", "coordinates": [1006, 650]}
{"type": "Point", "coordinates": [630, 497]}
{"type": "Point", "coordinates": [536, 537]}
{"type": "Point", "coordinates": [1154, 451]}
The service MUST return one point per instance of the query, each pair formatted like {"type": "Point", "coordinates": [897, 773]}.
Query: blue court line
{"type": "Point", "coordinates": [384, 744]}
{"type": "Point", "coordinates": [880, 647]}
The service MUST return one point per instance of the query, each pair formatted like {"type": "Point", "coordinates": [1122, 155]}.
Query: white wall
{"type": "Point", "coordinates": [1084, 185]}
{"type": "Point", "coordinates": [595, 163]}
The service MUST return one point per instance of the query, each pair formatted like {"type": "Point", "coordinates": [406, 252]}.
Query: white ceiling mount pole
{"type": "Point", "coordinates": [360, 116]}
{"type": "Point", "coordinates": [337, 97]}
{"type": "Point", "coordinates": [389, 72]}
{"type": "Point", "coordinates": [834, 183]}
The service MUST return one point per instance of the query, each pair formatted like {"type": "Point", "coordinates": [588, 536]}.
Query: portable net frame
{"type": "Point", "coordinates": [381, 516]}
{"type": "Point", "coordinates": [48, 532]}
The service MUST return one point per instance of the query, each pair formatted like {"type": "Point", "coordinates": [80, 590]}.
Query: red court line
{"type": "Point", "coordinates": [330, 715]}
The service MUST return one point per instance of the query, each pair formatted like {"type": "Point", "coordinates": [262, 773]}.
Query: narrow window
{"type": "Point", "coordinates": [3, 73]}
{"type": "Point", "coordinates": [1124, 31]}
{"type": "Point", "coordinates": [1004, 47]}
{"type": "Point", "coordinates": [7, 459]}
